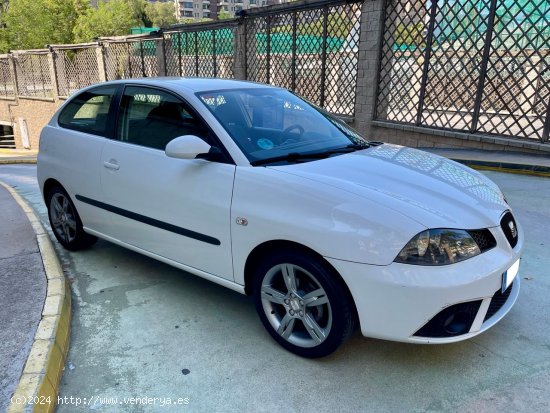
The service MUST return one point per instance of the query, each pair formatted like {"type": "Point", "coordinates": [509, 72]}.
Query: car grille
{"type": "Point", "coordinates": [510, 229]}
{"type": "Point", "coordinates": [498, 300]}
{"type": "Point", "coordinates": [483, 238]}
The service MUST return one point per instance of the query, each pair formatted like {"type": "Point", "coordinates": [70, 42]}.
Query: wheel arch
{"type": "Point", "coordinates": [261, 250]}
{"type": "Point", "coordinates": [48, 185]}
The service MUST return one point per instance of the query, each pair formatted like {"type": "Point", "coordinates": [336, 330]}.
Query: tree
{"type": "Point", "coordinates": [29, 24]}
{"type": "Point", "coordinates": [4, 46]}
{"type": "Point", "coordinates": [224, 14]}
{"type": "Point", "coordinates": [3, 7]}
{"type": "Point", "coordinates": [109, 19]}
{"type": "Point", "coordinates": [161, 14]}
{"type": "Point", "coordinates": [139, 12]}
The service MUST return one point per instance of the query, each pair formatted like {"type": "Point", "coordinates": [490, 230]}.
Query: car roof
{"type": "Point", "coordinates": [194, 84]}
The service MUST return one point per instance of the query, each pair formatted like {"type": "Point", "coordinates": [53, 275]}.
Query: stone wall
{"type": "Point", "coordinates": [34, 113]}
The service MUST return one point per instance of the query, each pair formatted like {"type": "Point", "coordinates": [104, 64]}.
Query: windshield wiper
{"type": "Point", "coordinates": [297, 157]}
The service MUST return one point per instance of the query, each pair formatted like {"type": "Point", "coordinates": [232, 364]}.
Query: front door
{"type": "Point", "coordinates": [176, 208]}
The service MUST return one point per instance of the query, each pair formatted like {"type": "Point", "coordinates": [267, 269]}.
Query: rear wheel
{"type": "Point", "coordinates": [302, 304]}
{"type": "Point", "coordinates": [65, 221]}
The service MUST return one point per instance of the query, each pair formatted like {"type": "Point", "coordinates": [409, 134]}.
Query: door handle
{"type": "Point", "coordinates": [111, 164]}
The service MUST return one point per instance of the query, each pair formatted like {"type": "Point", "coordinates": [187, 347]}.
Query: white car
{"type": "Point", "coordinates": [255, 189]}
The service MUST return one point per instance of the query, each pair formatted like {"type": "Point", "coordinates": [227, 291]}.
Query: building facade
{"type": "Point", "coordinates": [209, 9]}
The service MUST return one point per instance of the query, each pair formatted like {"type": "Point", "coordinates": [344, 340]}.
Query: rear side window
{"type": "Point", "coordinates": [152, 117]}
{"type": "Point", "coordinates": [88, 112]}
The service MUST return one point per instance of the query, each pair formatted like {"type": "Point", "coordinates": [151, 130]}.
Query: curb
{"type": "Point", "coordinates": [538, 165]}
{"type": "Point", "coordinates": [513, 168]}
{"type": "Point", "coordinates": [39, 382]}
{"type": "Point", "coordinates": [13, 161]}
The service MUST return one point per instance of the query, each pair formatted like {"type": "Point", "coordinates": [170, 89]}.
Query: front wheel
{"type": "Point", "coordinates": [303, 304]}
{"type": "Point", "coordinates": [65, 221]}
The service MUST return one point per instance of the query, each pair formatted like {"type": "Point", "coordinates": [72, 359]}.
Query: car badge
{"type": "Point", "coordinates": [241, 221]}
{"type": "Point", "coordinates": [513, 229]}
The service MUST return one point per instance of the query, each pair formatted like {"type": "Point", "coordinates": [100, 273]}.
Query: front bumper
{"type": "Point", "coordinates": [396, 301]}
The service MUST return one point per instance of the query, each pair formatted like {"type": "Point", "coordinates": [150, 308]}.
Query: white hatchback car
{"type": "Point", "coordinates": [255, 189]}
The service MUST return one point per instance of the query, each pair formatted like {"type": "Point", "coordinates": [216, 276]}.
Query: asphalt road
{"type": "Point", "coordinates": [22, 293]}
{"type": "Point", "coordinates": [144, 329]}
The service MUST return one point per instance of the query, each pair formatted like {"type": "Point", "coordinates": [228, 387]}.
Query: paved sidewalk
{"type": "Point", "coordinates": [22, 293]}
{"type": "Point", "coordinates": [477, 158]}
{"type": "Point", "coordinates": [8, 156]}
{"type": "Point", "coordinates": [506, 161]}
{"type": "Point", "coordinates": [142, 328]}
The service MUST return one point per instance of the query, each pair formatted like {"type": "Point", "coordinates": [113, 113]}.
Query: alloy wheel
{"type": "Point", "coordinates": [63, 217]}
{"type": "Point", "coordinates": [296, 305]}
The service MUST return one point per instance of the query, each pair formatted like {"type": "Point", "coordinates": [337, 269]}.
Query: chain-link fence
{"type": "Point", "coordinates": [7, 83]}
{"type": "Point", "coordinates": [32, 69]}
{"type": "Point", "coordinates": [76, 67]}
{"type": "Point", "coordinates": [130, 58]}
{"type": "Point", "coordinates": [201, 51]}
{"type": "Point", "coordinates": [311, 49]}
{"type": "Point", "coordinates": [468, 65]}
{"type": "Point", "coordinates": [474, 66]}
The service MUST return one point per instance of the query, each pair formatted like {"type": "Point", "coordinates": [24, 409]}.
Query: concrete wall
{"type": "Point", "coordinates": [35, 114]}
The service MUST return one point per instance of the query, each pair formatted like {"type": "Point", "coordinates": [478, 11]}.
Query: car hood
{"type": "Point", "coordinates": [429, 189]}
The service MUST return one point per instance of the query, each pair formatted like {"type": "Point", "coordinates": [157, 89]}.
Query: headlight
{"type": "Point", "coordinates": [439, 247]}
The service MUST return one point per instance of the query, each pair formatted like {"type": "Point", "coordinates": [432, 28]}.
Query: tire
{"type": "Point", "coordinates": [65, 221]}
{"type": "Point", "coordinates": [302, 303]}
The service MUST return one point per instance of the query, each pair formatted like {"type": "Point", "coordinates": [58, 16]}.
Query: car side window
{"type": "Point", "coordinates": [152, 118]}
{"type": "Point", "coordinates": [88, 112]}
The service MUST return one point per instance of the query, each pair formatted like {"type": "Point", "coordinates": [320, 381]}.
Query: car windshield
{"type": "Point", "coordinates": [274, 125]}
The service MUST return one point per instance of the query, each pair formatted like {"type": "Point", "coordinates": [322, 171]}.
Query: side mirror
{"type": "Point", "coordinates": [186, 147]}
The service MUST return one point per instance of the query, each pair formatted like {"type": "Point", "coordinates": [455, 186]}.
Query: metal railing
{"type": "Point", "coordinates": [75, 67]}
{"type": "Point", "coordinates": [202, 50]}
{"type": "Point", "coordinates": [310, 48]}
{"type": "Point", "coordinates": [130, 58]}
{"type": "Point", "coordinates": [7, 82]}
{"type": "Point", "coordinates": [473, 66]}
{"type": "Point", "coordinates": [477, 66]}
{"type": "Point", "coordinates": [32, 69]}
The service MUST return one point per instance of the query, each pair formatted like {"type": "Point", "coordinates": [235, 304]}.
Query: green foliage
{"type": "Point", "coordinates": [338, 25]}
{"type": "Point", "coordinates": [161, 14]}
{"type": "Point", "coordinates": [4, 46]}
{"type": "Point", "coordinates": [109, 19]}
{"type": "Point", "coordinates": [30, 24]}
{"type": "Point", "coordinates": [190, 20]}
{"type": "Point", "coordinates": [139, 12]}
{"type": "Point", "coordinates": [223, 15]}
{"type": "Point", "coordinates": [409, 36]}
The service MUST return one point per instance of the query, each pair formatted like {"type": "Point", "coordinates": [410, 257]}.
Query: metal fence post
{"type": "Point", "coordinates": [324, 56]}
{"type": "Point", "coordinates": [129, 53]}
{"type": "Point", "coordinates": [546, 130]}
{"type": "Point", "coordinates": [197, 54]}
{"type": "Point", "coordinates": [180, 68]}
{"type": "Point", "coordinates": [293, 61]}
{"type": "Point", "coordinates": [143, 73]}
{"type": "Point", "coordinates": [484, 63]}
{"type": "Point", "coordinates": [214, 62]}
{"type": "Point", "coordinates": [268, 49]}
{"type": "Point", "coordinates": [13, 72]}
{"type": "Point", "coordinates": [428, 54]}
